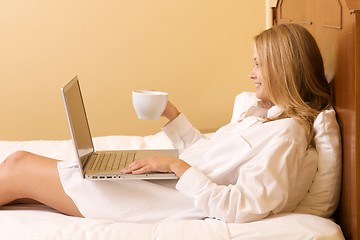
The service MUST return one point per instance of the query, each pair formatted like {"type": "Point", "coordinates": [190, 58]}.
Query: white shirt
{"type": "Point", "coordinates": [248, 169]}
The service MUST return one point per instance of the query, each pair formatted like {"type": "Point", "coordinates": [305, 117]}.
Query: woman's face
{"type": "Point", "coordinates": [257, 78]}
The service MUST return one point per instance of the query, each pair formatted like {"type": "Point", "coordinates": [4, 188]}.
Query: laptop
{"type": "Point", "coordinates": [102, 165]}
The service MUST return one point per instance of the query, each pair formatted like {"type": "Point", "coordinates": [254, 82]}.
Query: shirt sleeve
{"type": "Point", "coordinates": [262, 187]}
{"type": "Point", "coordinates": [182, 133]}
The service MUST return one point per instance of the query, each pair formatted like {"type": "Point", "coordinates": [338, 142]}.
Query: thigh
{"type": "Point", "coordinates": [36, 177]}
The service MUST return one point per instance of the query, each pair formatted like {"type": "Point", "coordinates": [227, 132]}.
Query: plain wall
{"type": "Point", "coordinates": [200, 51]}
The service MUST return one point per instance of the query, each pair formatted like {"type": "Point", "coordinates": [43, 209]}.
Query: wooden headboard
{"type": "Point", "coordinates": [335, 25]}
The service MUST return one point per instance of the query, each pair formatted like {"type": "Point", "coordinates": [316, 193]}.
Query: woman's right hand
{"type": "Point", "coordinates": [170, 111]}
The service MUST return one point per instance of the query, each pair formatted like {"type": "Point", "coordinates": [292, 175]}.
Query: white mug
{"type": "Point", "coordinates": [149, 105]}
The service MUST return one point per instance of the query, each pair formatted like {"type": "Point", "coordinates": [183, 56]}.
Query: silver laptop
{"type": "Point", "coordinates": [102, 165]}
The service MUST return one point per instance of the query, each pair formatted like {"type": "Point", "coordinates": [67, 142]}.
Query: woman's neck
{"type": "Point", "coordinates": [265, 104]}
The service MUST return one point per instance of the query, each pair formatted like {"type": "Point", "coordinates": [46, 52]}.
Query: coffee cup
{"type": "Point", "coordinates": [149, 105]}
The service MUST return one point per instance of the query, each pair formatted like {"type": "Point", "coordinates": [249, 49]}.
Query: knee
{"type": "Point", "coordinates": [11, 170]}
{"type": "Point", "coordinates": [12, 162]}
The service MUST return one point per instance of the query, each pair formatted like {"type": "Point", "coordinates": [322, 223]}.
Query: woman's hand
{"type": "Point", "coordinates": [170, 111]}
{"type": "Point", "coordinates": [157, 164]}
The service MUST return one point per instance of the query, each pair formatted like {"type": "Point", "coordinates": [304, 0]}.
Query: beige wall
{"type": "Point", "coordinates": [197, 50]}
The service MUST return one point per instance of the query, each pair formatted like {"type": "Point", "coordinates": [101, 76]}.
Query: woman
{"type": "Point", "coordinates": [251, 168]}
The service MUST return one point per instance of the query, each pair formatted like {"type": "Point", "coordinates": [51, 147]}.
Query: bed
{"type": "Point", "coordinates": [337, 32]}
{"type": "Point", "coordinates": [33, 221]}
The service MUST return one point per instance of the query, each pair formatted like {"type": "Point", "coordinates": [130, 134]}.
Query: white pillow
{"type": "Point", "coordinates": [324, 193]}
{"type": "Point", "coordinates": [243, 102]}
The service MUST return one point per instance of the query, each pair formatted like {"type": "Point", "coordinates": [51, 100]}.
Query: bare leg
{"type": "Point", "coordinates": [24, 175]}
{"type": "Point", "coordinates": [23, 200]}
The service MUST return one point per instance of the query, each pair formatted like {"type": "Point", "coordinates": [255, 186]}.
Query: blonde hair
{"type": "Point", "coordinates": [293, 73]}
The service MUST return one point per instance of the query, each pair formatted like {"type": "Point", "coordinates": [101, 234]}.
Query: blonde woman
{"type": "Point", "coordinates": [253, 167]}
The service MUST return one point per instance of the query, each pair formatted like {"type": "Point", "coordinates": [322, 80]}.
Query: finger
{"type": "Point", "coordinates": [144, 169]}
{"type": "Point", "coordinates": [132, 167]}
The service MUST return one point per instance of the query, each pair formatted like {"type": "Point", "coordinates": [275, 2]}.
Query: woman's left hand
{"type": "Point", "coordinates": [157, 164]}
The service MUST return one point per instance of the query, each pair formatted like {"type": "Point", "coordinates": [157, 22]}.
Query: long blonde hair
{"type": "Point", "coordinates": [293, 73]}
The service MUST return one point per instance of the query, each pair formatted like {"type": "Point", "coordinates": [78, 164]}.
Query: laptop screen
{"type": "Point", "coordinates": [77, 119]}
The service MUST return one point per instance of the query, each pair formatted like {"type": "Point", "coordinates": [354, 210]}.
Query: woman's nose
{"type": "Point", "coordinates": [252, 75]}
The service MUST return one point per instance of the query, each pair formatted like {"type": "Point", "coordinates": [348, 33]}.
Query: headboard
{"type": "Point", "coordinates": [335, 25]}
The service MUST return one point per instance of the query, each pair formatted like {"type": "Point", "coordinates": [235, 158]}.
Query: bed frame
{"type": "Point", "coordinates": [335, 25]}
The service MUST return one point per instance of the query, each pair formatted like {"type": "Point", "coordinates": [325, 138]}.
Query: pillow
{"type": "Point", "coordinates": [324, 194]}
{"type": "Point", "coordinates": [243, 102]}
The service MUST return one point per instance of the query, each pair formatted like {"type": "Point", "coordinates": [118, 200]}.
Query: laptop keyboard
{"type": "Point", "coordinates": [110, 161]}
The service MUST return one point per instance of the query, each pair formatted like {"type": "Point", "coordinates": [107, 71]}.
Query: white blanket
{"type": "Point", "coordinates": [32, 221]}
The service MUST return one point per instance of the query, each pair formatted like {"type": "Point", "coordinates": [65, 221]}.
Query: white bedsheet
{"type": "Point", "coordinates": [32, 221]}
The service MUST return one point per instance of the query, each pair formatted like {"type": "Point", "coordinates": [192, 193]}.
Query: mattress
{"type": "Point", "coordinates": [35, 221]}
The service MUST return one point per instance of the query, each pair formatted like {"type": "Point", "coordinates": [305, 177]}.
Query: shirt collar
{"type": "Point", "coordinates": [274, 111]}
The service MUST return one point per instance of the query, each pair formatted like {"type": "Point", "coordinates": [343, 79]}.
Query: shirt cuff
{"type": "Point", "coordinates": [178, 126]}
{"type": "Point", "coordinates": [191, 181]}
{"type": "Point", "coordinates": [176, 131]}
